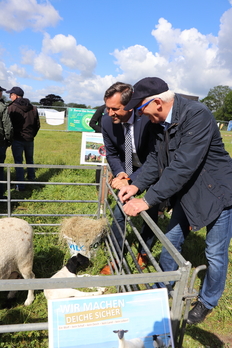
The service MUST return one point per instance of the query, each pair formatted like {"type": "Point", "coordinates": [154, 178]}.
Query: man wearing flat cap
{"type": "Point", "coordinates": [25, 119]}
{"type": "Point", "coordinates": [6, 135]}
{"type": "Point", "coordinates": [191, 168]}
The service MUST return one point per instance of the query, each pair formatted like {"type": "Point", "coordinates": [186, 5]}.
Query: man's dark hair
{"type": "Point", "coordinates": [119, 87]}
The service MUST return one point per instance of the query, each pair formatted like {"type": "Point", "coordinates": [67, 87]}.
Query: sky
{"type": "Point", "coordinates": [78, 48]}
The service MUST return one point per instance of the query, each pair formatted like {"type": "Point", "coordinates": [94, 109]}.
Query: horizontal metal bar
{"type": "Point", "coordinates": [54, 215]}
{"type": "Point", "coordinates": [49, 183]}
{"type": "Point", "coordinates": [50, 166]}
{"type": "Point", "coordinates": [23, 327]}
{"type": "Point", "coordinates": [52, 201]}
{"type": "Point", "coordinates": [85, 282]}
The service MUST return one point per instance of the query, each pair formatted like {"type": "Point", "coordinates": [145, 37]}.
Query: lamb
{"type": "Point", "coordinates": [157, 342]}
{"type": "Point", "coordinates": [16, 250]}
{"type": "Point", "coordinates": [132, 343]}
{"type": "Point", "coordinates": [69, 271]}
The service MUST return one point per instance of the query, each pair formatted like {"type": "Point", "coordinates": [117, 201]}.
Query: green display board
{"type": "Point", "coordinates": [78, 119]}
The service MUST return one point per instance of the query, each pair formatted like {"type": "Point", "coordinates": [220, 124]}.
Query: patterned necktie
{"type": "Point", "coordinates": [128, 150]}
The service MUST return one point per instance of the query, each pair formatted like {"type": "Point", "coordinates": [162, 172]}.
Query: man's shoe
{"type": "Point", "coordinates": [198, 313]}
{"type": "Point", "coordinates": [142, 260]}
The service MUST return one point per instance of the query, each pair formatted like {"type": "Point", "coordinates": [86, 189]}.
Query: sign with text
{"type": "Point", "coordinates": [104, 321]}
{"type": "Point", "coordinates": [93, 149]}
{"type": "Point", "coordinates": [78, 119]}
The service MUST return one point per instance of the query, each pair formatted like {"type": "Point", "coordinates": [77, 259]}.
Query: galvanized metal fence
{"type": "Point", "coordinates": [122, 277]}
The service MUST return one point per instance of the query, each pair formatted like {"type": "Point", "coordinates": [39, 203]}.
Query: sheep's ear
{"type": "Point", "coordinates": [72, 265]}
{"type": "Point", "coordinates": [115, 331]}
{"type": "Point", "coordinates": [83, 260]}
{"type": "Point", "coordinates": [125, 331]}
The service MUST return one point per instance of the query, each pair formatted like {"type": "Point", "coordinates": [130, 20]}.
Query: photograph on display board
{"type": "Point", "coordinates": [106, 321]}
{"type": "Point", "coordinates": [93, 149]}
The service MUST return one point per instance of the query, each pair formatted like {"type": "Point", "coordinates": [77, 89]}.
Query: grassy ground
{"type": "Point", "coordinates": [64, 148]}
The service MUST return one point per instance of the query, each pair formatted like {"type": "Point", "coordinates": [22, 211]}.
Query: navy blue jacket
{"type": "Point", "coordinates": [198, 169]}
{"type": "Point", "coordinates": [114, 140]}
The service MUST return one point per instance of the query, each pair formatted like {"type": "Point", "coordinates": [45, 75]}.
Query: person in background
{"type": "Point", "coordinates": [25, 120]}
{"type": "Point", "coordinates": [6, 136]}
{"type": "Point", "coordinates": [114, 128]}
{"type": "Point", "coordinates": [95, 123]}
{"type": "Point", "coordinates": [190, 167]}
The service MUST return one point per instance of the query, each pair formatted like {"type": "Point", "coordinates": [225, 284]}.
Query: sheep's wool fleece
{"type": "Point", "coordinates": [86, 233]}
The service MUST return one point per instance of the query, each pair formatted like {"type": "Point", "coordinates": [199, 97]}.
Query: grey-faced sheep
{"type": "Point", "coordinates": [16, 252]}
{"type": "Point", "coordinates": [132, 343]}
{"type": "Point", "coordinates": [69, 271]}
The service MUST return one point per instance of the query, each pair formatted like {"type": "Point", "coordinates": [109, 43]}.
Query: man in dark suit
{"type": "Point", "coordinates": [95, 121]}
{"type": "Point", "coordinates": [114, 130]}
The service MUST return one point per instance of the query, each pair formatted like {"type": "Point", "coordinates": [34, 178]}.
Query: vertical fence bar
{"type": "Point", "coordinates": [8, 192]}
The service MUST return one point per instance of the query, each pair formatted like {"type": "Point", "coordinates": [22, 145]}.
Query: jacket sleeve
{"type": "Point", "coordinates": [7, 127]}
{"type": "Point", "coordinates": [112, 154]}
{"type": "Point", "coordinates": [95, 121]}
{"type": "Point", "coordinates": [37, 121]}
{"type": "Point", "coordinates": [195, 136]}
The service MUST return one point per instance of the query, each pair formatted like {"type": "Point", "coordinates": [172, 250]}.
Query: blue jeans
{"type": "Point", "coordinates": [146, 233]}
{"type": "Point", "coordinates": [218, 236]}
{"type": "Point", "coordinates": [2, 160]}
{"type": "Point", "coordinates": [18, 148]}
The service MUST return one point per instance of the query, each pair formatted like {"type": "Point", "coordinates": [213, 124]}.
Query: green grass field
{"type": "Point", "coordinates": [64, 148]}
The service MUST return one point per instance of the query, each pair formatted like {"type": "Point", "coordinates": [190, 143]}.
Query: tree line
{"type": "Point", "coordinates": [57, 101]}
{"type": "Point", "coordinates": [218, 100]}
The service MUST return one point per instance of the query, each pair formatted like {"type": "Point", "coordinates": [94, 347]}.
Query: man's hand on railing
{"type": "Point", "coordinates": [127, 192]}
{"type": "Point", "coordinates": [134, 206]}
{"type": "Point", "coordinates": [119, 183]}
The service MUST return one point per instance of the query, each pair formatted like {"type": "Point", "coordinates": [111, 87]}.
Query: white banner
{"type": "Point", "coordinates": [54, 118]}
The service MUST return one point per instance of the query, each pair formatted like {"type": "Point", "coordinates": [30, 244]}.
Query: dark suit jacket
{"type": "Point", "coordinates": [114, 140]}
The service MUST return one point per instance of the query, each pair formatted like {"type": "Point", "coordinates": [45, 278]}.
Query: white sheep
{"type": "Point", "coordinates": [132, 343]}
{"type": "Point", "coordinates": [169, 342]}
{"type": "Point", "coordinates": [16, 252]}
{"type": "Point", "coordinates": [157, 342]}
{"type": "Point", "coordinates": [69, 271]}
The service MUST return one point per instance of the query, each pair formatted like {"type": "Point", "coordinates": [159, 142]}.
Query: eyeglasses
{"type": "Point", "coordinates": [139, 109]}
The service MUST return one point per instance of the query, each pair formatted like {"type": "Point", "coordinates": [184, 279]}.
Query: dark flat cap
{"type": "Point", "coordinates": [145, 88]}
{"type": "Point", "coordinates": [16, 90]}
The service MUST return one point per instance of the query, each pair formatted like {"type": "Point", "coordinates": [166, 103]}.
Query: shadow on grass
{"type": "Point", "coordinates": [205, 338]}
{"type": "Point", "coordinates": [48, 262]}
{"type": "Point", "coordinates": [26, 194]}
{"type": "Point", "coordinates": [43, 177]}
